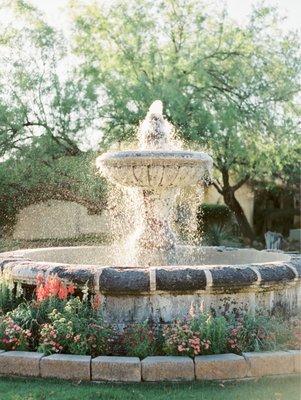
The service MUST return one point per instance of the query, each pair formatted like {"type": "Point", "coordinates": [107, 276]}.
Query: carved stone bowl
{"type": "Point", "coordinates": [155, 169]}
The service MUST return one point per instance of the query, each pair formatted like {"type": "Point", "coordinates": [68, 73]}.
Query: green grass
{"type": "Point", "coordinates": [263, 389]}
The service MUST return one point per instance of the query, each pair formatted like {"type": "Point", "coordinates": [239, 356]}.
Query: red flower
{"type": "Point", "coordinates": [53, 286]}
{"type": "Point", "coordinates": [63, 292]}
{"type": "Point", "coordinates": [40, 279]}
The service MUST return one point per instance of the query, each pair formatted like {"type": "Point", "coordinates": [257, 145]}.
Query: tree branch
{"type": "Point", "coordinates": [217, 187]}
{"type": "Point", "coordinates": [241, 182]}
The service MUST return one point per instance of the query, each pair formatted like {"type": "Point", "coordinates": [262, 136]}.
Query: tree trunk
{"type": "Point", "coordinates": [243, 223]}
{"type": "Point", "coordinates": [230, 200]}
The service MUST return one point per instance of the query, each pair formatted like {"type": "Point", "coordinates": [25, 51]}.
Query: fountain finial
{"type": "Point", "coordinates": [156, 108]}
{"type": "Point", "coordinates": [155, 132]}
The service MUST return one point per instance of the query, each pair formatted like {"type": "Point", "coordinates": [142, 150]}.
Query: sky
{"type": "Point", "coordinates": [238, 10]}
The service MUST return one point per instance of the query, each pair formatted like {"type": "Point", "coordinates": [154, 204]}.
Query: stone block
{"type": "Point", "coordinates": [21, 363]}
{"type": "Point", "coordinates": [66, 366]}
{"type": "Point", "coordinates": [220, 366]}
{"type": "Point", "coordinates": [275, 273]}
{"type": "Point", "coordinates": [167, 368]}
{"type": "Point", "coordinates": [296, 354]}
{"type": "Point", "coordinates": [269, 363]}
{"type": "Point", "coordinates": [180, 279]}
{"type": "Point", "coordinates": [233, 276]}
{"type": "Point", "coordinates": [121, 280]}
{"type": "Point", "coordinates": [119, 369]}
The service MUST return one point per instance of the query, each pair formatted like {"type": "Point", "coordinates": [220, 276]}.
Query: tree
{"type": "Point", "coordinates": [47, 112]}
{"type": "Point", "coordinates": [229, 89]}
{"type": "Point", "coordinates": [40, 94]}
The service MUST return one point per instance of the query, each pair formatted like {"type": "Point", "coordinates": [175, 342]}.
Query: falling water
{"type": "Point", "coordinates": [152, 176]}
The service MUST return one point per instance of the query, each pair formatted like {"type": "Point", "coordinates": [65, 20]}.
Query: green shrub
{"type": "Point", "coordinates": [216, 330]}
{"type": "Point", "coordinates": [76, 329]}
{"type": "Point", "coordinates": [262, 333]}
{"type": "Point", "coordinates": [204, 334]}
{"type": "Point", "coordinates": [139, 340]}
{"type": "Point", "coordinates": [32, 315]}
{"type": "Point", "coordinates": [209, 214]}
{"type": "Point", "coordinates": [10, 296]}
{"type": "Point", "coordinates": [217, 235]}
{"type": "Point", "coordinates": [208, 334]}
{"type": "Point", "coordinates": [216, 225]}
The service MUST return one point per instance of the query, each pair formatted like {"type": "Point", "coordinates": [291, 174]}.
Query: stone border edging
{"type": "Point", "coordinates": [151, 369]}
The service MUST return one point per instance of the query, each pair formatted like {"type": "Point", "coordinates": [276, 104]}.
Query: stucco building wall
{"type": "Point", "coordinates": [244, 195]}
{"type": "Point", "coordinates": [57, 219]}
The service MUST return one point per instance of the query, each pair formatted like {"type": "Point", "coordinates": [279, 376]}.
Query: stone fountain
{"type": "Point", "coordinates": [158, 171]}
{"type": "Point", "coordinates": [156, 276]}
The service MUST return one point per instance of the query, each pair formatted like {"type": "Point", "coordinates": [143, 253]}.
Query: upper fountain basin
{"type": "Point", "coordinates": [151, 169]}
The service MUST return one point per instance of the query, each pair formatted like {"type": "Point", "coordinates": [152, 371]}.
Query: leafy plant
{"type": "Point", "coordinates": [57, 324]}
{"type": "Point", "coordinates": [213, 213]}
{"type": "Point", "coordinates": [204, 334]}
{"type": "Point", "coordinates": [10, 296]}
{"type": "Point", "coordinates": [77, 329]}
{"type": "Point", "coordinates": [217, 235]}
{"type": "Point", "coordinates": [139, 340]}
{"type": "Point", "coordinates": [262, 333]}
{"type": "Point", "coordinates": [12, 335]}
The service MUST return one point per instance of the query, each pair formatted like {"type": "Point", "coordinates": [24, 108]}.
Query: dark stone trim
{"type": "Point", "coordinates": [4, 261]}
{"type": "Point", "coordinates": [232, 276]}
{"type": "Point", "coordinates": [180, 279]}
{"type": "Point", "coordinates": [118, 280]}
{"type": "Point", "coordinates": [276, 273]}
{"type": "Point", "coordinates": [76, 274]}
{"type": "Point", "coordinates": [81, 276]}
{"type": "Point", "coordinates": [183, 279]}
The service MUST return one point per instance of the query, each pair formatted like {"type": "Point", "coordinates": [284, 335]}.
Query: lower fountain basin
{"type": "Point", "coordinates": [211, 256]}
{"type": "Point", "coordinates": [214, 277]}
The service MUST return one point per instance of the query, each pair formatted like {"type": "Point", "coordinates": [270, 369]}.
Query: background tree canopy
{"type": "Point", "coordinates": [231, 90]}
{"type": "Point", "coordinates": [47, 110]}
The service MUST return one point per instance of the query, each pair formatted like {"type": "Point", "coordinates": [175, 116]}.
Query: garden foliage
{"type": "Point", "coordinates": [55, 321]}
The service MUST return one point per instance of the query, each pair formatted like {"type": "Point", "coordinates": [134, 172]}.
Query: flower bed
{"type": "Point", "coordinates": [57, 321]}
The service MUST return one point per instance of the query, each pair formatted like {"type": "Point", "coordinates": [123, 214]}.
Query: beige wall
{"type": "Point", "coordinates": [244, 195]}
{"type": "Point", "coordinates": [57, 219]}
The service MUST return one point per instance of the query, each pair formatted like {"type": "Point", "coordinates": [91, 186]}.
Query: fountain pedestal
{"type": "Point", "coordinates": [154, 240]}
{"type": "Point", "coordinates": [156, 232]}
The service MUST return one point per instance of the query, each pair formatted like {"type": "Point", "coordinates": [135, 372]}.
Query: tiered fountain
{"type": "Point", "coordinates": [153, 276]}
{"type": "Point", "coordinates": [158, 170]}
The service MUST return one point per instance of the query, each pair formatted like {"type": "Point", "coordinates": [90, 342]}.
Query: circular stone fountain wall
{"type": "Point", "coordinates": [215, 277]}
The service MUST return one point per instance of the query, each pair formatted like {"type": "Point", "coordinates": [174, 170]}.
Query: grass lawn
{"type": "Point", "coordinates": [38, 389]}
